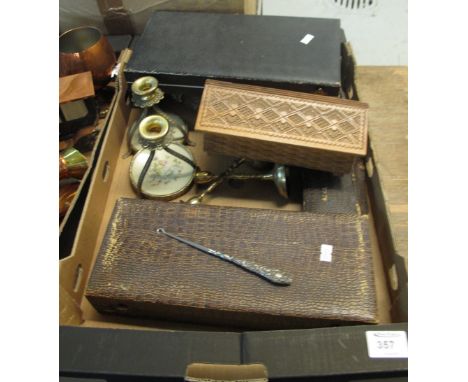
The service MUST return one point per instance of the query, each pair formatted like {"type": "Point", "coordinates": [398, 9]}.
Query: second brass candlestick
{"type": "Point", "coordinates": [278, 175]}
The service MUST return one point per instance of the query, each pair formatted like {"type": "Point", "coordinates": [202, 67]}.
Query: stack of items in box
{"type": "Point", "coordinates": [269, 98]}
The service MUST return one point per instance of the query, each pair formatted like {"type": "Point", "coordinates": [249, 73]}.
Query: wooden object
{"type": "Point", "coordinates": [75, 87]}
{"type": "Point", "coordinates": [300, 129]}
{"type": "Point", "coordinates": [78, 108]}
{"type": "Point", "coordinates": [141, 273]}
{"type": "Point", "coordinates": [386, 90]}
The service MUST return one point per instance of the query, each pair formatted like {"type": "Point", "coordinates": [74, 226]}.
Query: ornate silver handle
{"type": "Point", "coordinates": [273, 275]}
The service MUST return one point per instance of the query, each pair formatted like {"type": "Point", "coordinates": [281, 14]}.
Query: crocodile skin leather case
{"type": "Point", "coordinates": [141, 273]}
{"type": "Point", "coordinates": [299, 129]}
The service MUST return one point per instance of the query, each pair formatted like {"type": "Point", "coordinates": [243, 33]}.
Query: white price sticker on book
{"type": "Point", "coordinates": [387, 344]}
{"type": "Point", "coordinates": [326, 251]}
{"type": "Point", "coordinates": [307, 38]}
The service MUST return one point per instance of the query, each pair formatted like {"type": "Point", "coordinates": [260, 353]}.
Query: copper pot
{"type": "Point", "coordinates": [72, 164]}
{"type": "Point", "coordinates": [86, 48]}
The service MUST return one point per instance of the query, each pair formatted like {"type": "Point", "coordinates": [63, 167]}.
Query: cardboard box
{"type": "Point", "coordinates": [97, 345]}
{"type": "Point", "coordinates": [69, 223]}
{"type": "Point", "coordinates": [388, 171]}
{"type": "Point", "coordinates": [130, 16]}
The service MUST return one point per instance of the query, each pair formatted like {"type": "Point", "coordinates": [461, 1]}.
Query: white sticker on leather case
{"type": "Point", "coordinates": [307, 38]}
{"type": "Point", "coordinates": [387, 344]}
{"type": "Point", "coordinates": [326, 251]}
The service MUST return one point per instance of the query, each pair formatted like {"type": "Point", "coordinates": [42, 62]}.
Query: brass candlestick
{"type": "Point", "coordinates": [278, 175]}
{"type": "Point", "coordinates": [161, 169]}
{"type": "Point", "coordinates": [146, 95]}
{"type": "Point", "coordinates": [217, 181]}
{"type": "Point", "coordinates": [145, 92]}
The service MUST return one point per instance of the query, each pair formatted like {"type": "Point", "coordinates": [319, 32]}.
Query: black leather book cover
{"type": "Point", "coordinates": [183, 49]}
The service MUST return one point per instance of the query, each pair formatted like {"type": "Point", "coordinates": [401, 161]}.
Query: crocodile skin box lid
{"type": "Point", "coordinates": [183, 49]}
{"type": "Point", "coordinates": [139, 272]}
{"type": "Point", "coordinates": [301, 129]}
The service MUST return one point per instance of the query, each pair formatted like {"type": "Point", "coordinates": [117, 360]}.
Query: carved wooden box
{"type": "Point", "coordinates": [300, 129]}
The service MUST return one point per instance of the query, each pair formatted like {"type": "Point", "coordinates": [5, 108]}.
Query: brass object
{"type": "Point", "coordinates": [178, 130]}
{"type": "Point", "coordinates": [204, 177]}
{"type": "Point", "coordinates": [153, 128]}
{"type": "Point", "coordinates": [86, 48]}
{"type": "Point", "coordinates": [177, 126]}
{"type": "Point", "coordinates": [145, 95]}
{"type": "Point", "coordinates": [72, 164]}
{"type": "Point", "coordinates": [162, 169]}
{"type": "Point", "coordinates": [145, 92]}
{"type": "Point", "coordinates": [219, 179]}
{"type": "Point", "coordinates": [278, 175]}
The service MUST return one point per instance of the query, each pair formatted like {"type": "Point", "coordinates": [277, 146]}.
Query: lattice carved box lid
{"type": "Point", "coordinates": [293, 118]}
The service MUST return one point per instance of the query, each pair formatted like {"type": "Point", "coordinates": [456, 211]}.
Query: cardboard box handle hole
{"type": "Point", "coordinates": [121, 307]}
{"type": "Point", "coordinates": [393, 276]}
{"type": "Point", "coordinates": [78, 277]}
{"type": "Point", "coordinates": [105, 171]}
